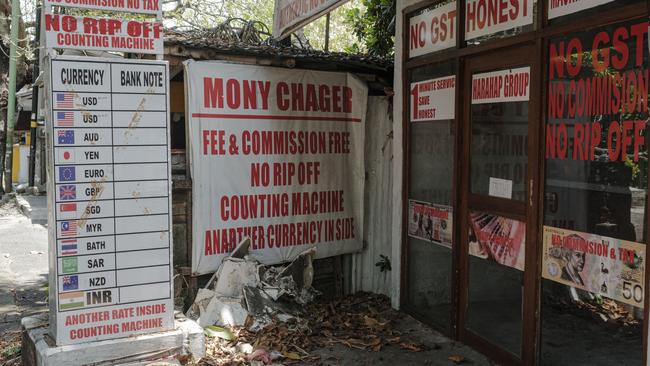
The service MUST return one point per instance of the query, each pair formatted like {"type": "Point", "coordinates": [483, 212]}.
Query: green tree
{"type": "Point", "coordinates": [374, 27]}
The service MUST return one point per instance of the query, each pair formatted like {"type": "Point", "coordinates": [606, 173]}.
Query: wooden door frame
{"type": "Point", "coordinates": [522, 55]}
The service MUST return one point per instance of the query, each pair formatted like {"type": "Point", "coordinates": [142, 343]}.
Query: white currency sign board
{"type": "Point", "coordinates": [109, 198]}
{"type": "Point", "coordinates": [277, 155]}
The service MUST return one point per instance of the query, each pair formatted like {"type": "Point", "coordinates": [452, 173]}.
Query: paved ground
{"type": "Point", "coordinates": [23, 280]}
{"type": "Point", "coordinates": [23, 266]}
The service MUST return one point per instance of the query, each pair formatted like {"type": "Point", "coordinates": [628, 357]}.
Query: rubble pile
{"type": "Point", "coordinates": [265, 315]}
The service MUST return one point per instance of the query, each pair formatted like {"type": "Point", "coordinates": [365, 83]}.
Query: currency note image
{"type": "Point", "coordinates": [498, 239]}
{"type": "Point", "coordinates": [601, 265]}
{"type": "Point", "coordinates": [430, 222]}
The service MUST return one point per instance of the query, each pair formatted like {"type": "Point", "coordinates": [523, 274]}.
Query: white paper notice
{"type": "Point", "coordinates": [109, 175]}
{"type": "Point", "coordinates": [433, 100]}
{"type": "Point", "coordinates": [500, 188]}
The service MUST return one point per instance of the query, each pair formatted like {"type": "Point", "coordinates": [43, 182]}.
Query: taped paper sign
{"type": "Point", "coordinates": [433, 30]}
{"type": "Point", "coordinates": [605, 266]}
{"type": "Point", "coordinates": [498, 239]}
{"type": "Point", "coordinates": [512, 85]}
{"type": "Point", "coordinates": [433, 100]}
{"type": "Point", "coordinates": [430, 222]}
{"type": "Point", "coordinates": [277, 156]}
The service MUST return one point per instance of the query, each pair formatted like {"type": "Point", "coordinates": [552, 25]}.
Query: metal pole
{"type": "Point", "coordinates": [34, 123]}
{"type": "Point", "coordinates": [11, 106]}
{"type": "Point", "coordinates": [327, 32]}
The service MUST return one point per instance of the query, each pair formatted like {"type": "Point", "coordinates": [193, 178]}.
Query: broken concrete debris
{"type": "Point", "coordinates": [243, 288]}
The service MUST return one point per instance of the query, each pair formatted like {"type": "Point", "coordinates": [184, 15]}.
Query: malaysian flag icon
{"type": "Point", "coordinates": [64, 119]}
{"type": "Point", "coordinates": [64, 100]}
{"type": "Point", "coordinates": [65, 137]}
{"type": "Point", "coordinates": [69, 228]}
{"type": "Point", "coordinates": [68, 192]}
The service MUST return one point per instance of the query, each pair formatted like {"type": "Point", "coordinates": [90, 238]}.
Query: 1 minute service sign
{"type": "Point", "coordinates": [109, 198]}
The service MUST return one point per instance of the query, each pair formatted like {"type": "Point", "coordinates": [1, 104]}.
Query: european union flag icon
{"type": "Point", "coordinates": [66, 174]}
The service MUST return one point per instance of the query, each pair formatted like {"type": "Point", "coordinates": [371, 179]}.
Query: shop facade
{"type": "Point", "coordinates": [522, 153]}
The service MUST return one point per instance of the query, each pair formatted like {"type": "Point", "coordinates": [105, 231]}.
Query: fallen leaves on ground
{"type": "Point", "coordinates": [457, 358]}
{"type": "Point", "coordinates": [10, 349]}
{"type": "Point", "coordinates": [363, 321]}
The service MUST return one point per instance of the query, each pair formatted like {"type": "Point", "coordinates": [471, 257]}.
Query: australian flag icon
{"type": "Point", "coordinates": [66, 137]}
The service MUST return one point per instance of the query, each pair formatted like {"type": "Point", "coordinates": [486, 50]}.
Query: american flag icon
{"type": "Point", "coordinates": [64, 100]}
{"type": "Point", "coordinates": [69, 228]}
{"type": "Point", "coordinates": [64, 119]}
{"type": "Point", "coordinates": [68, 192]}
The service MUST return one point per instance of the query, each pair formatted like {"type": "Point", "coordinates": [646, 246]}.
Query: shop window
{"type": "Point", "coordinates": [487, 20]}
{"type": "Point", "coordinates": [593, 261]}
{"type": "Point", "coordinates": [430, 210]}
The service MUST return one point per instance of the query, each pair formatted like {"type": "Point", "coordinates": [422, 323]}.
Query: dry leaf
{"type": "Point", "coordinates": [411, 347]}
{"type": "Point", "coordinates": [291, 355]}
{"type": "Point", "coordinates": [457, 358]}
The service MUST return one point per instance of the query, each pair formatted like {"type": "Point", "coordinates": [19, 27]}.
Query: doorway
{"type": "Point", "coordinates": [498, 185]}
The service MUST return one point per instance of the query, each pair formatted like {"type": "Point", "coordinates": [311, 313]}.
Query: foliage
{"type": "Point", "coordinates": [374, 28]}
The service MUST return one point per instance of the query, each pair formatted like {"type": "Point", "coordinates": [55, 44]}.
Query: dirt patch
{"type": "Point", "coordinates": [10, 349]}
{"type": "Point", "coordinates": [9, 207]}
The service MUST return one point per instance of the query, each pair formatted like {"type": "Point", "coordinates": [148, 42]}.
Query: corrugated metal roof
{"type": "Point", "coordinates": [177, 43]}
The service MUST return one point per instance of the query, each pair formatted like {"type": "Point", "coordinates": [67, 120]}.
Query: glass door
{"type": "Point", "coordinates": [498, 176]}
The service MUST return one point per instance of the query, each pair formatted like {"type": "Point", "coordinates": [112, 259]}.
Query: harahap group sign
{"type": "Point", "coordinates": [277, 156]}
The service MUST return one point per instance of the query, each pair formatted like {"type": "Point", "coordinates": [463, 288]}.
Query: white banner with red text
{"type": "Point", "coordinates": [105, 34]}
{"type": "Point", "coordinates": [433, 30]}
{"type": "Point", "coordinates": [277, 155]}
{"type": "Point", "coordinates": [131, 6]}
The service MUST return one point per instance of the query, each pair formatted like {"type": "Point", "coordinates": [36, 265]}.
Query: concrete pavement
{"type": "Point", "coordinates": [23, 266]}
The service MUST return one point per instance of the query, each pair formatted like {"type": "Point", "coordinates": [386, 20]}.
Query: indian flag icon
{"type": "Point", "coordinates": [71, 300]}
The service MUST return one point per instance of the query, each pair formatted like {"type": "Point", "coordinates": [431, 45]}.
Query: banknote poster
{"type": "Point", "coordinates": [498, 239]}
{"type": "Point", "coordinates": [606, 266]}
{"type": "Point", "coordinates": [430, 222]}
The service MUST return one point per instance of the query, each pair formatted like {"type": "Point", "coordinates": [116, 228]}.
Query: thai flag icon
{"type": "Point", "coordinates": [66, 137]}
{"type": "Point", "coordinates": [64, 119]}
{"type": "Point", "coordinates": [69, 247]}
{"type": "Point", "coordinates": [69, 228]}
{"type": "Point", "coordinates": [67, 173]}
{"type": "Point", "coordinates": [68, 192]}
{"type": "Point", "coordinates": [64, 100]}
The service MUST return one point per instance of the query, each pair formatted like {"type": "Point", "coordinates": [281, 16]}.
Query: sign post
{"type": "Point", "coordinates": [109, 177]}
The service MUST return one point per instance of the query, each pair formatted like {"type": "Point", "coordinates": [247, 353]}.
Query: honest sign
{"type": "Point", "coordinates": [277, 156]}
{"type": "Point", "coordinates": [109, 193]}
{"type": "Point", "coordinates": [91, 33]}
{"type": "Point", "coordinates": [433, 100]}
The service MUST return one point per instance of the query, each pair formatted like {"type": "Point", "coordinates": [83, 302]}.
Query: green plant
{"type": "Point", "coordinates": [374, 28]}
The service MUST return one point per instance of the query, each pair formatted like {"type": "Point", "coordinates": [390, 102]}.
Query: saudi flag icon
{"type": "Point", "coordinates": [71, 300]}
